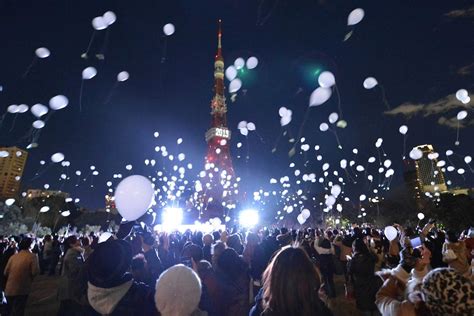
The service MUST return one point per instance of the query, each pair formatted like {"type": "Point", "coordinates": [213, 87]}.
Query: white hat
{"type": "Point", "coordinates": [178, 291]}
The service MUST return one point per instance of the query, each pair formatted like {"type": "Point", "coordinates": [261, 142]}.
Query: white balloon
{"type": "Point", "coordinates": [403, 129]}
{"type": "Point", "coordinates": [89, 73]}
{"type": "Point", "coordinates": [283, 111]}
{"type": "Point", "coordinates": [330, 200]}
{"type": "Point", "coordinates": [38, 124]}
{"type": "Point", "coordinates": [370, 82]}
{"type": "Point", "coordinates": [319, 96]}
{"type": "Point", "coordinates": [231, 73]}
{"type": "Point", "coordinates": [4, 154]}
{"type": "Point", "coordinates": [235, 85]}
{"type": "Point", "coordinates": [13, 109]}
{"type": "Point", "coordinates": [168, 29]}
{"type": "Point", "coordinates": [336, 190]}
{"type": "Point", "coordinates": [355, 16]}
{"type": "Point", "coordinates": [461, 94]}
{"type": "Point", "coordinates": [371, 159]}
{"type": "Point", "coordinates": [362, 197]}
{"type": "Point", "coordinates": [251, 126]}
{"type": "Point", "coordinates": [285, 120]}
{"type": "Point", "coordinates": [39, 110]}
{"type": "Point", "coordinates": [461, 171]}
{"type": "Point", "coordinates": [466, 100]}
{"type": "Point", "coordinates": [44, 209]}
{"type": "Point", "coordinates": [99, 23]}
{"type": "Point", "coordinates": [244, 131]}
{"type": "Point", "coordinates": [242, 124]}
{"type": "Point", "coordinates": [58, 102]}
{"type": "Point", "coordinates": [252, 62]}
{"type": "Point", "coordinates": [305, 213]}
{"type": "Point", "coordinates": [449, 152]}
{"type": "Point", "coordinates": [416, 154]}
{"type": "Point", "coordinates": [239, 63]}
{"type": "Point", "coordinates": [467, 159]}
{"type": "Point", "coordinates": [387, 163]}
{"type": "Point", "coordinates": [109, 17]}
{"type": "Point", "coordinates": [57, 157]}
{"type": "Point", "coordinates": [300, 219]}
{"type": "Point", "coordinates": [123, 76]}
{"type": "Point", "coordinates": [42, 52]}
{"type": "Point", "coordinates": [461, 115]}
{"type": "Point", "coordinates": [421, 216]}
{"type": "Point", "coordinates": [134, 196]}
{"type": "Point", "coordinates": [326, 79]}
{"type": "Point", "coordinates": [23, 108]}
{"type": "Point", "coordinates": [333, 117]}
{"type": "Point", "coordinates": [305, 147]}
{"type": "Point", "coordinates": [323, 127]}
{"type": "Point", "coordinates": [390, 232]}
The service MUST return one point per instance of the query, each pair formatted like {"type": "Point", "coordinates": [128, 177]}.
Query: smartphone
{"type": "Point", "coordinates": [415, 242]}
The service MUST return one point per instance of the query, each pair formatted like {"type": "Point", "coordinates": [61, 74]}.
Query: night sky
{"type": "Point", "coordinates": [421, 52]}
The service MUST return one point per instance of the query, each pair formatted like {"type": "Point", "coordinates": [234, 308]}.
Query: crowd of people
{"type": "Point", "coordinates": [135, 271]}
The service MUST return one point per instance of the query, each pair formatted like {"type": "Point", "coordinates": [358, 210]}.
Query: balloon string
{"type": "Point", "coordinates": [300, 132]}
{"type": "Point", "coordinates": [13, 123]}
{"type": "Point", "coordinates": [164, 51]}
{"type": "Point", "coordinates": [80, 95]}
{"type": "Point", "coordinates": [457, 134]}
{"type": "Point", "coordinates": [404, 144]}
{"type": "Point", "coordinates": [27, 71]}
{"type": "Point", "coordinates": [39, 174]}
{"type": "Point", "coordinates": [90, 43]}
{"type": "Point", "coordinates": [278, 140]}
{"type": "Point", "coordinates": [107, 100]}
{"type": "Point", "coordinates": [337, 138]}
{"type": "Point", "coordinates": [248, 149]}
{"type": "Point", "coordinates": [105, 43]}
{"type": "Point", "coordinates": [338, 100]}
{"type": "Point", "coordinates": [384, 97]}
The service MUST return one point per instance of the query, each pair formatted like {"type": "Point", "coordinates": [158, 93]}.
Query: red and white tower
{"type": "Point", "coordinates": [218, 159]}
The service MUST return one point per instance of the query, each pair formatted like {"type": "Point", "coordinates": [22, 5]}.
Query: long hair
{"type": "Point", "coordinates": [291, 284]}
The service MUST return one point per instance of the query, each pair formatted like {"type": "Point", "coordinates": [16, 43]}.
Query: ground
{"type": "Point", "coordinates": [43, 298]}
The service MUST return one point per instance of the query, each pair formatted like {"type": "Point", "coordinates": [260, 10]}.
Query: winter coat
{"type": "Point", "coordinates": [366, 283]}
{"type": "Point", "coordinates": [128, 299]}
{"type": "Point", "coordinates": [460, 263]}
{"type": "Point", "coordinates": [73, 282]}
{"type": "Point", "coordinates": [20, 271]}
{"type": "Point", "coordinates": [345, 245]}
{"type": "Point", "coordinates": [234, 295]}
{"type": "Point", "coordinates": [388, 302]}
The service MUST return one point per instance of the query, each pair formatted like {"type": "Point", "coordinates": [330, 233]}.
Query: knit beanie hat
{"type": "Point", "coordinates": [178, 291]}
{"type": "Point", "coordinates": [109, 263]}
{"type": "Point", "coordinates": [447, 292]}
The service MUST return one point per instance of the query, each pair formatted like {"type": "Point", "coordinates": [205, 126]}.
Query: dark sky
{"type": "Point", "coordinates": [415, 49]}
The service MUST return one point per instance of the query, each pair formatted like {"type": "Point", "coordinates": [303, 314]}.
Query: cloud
{"type": "Point", "coordinates": [441, 106]}
{"type": "Point", "coordinates": [461, 13]}
{"type": "Point", "coordinates": [465, 70]}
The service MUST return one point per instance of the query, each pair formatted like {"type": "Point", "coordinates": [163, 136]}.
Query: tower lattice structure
{"type": "Point", "coordinates": [220, 184]}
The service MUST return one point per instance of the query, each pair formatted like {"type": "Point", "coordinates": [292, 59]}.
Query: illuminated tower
{"type": "Point", "coordinates": [218, 160]}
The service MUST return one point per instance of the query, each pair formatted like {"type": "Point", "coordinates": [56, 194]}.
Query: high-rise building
{"type": "Point", "coordinates": [219, 165]}
{"type": "Point", "coordinates": [12, 165]}
{"type": "Point", "coordinates": [429, 174]}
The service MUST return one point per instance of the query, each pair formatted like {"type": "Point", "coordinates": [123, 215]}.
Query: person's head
{"type": "Point", "coordinates": [47, 238]}
{"type": "Point", "coordinates": [207, 239]}
{"type": "Point", "coordinates": [85, 241]}
{"type": "Point", "coordinates": [359, 246]}
{"type": "Point", "coordinates": [178, 291]}
{"type": "Point", "coordinates": [451, 236]}
{"type": "Point", "coordinates": [194, 253]}
{"type": "Point", "coordinates": [217, 250]}
{"type": "Point", "coordinates": [326, 244]}
{"type": "Point", "coordinates": [231, 264]}
{"type": "Point", "coordinates": [72, 241]}
{"type": "Point", "coordinates": [109, 263]}
{"type": "Point", "coordinates": [26, 243]}
{"type": "Point", "coordinates": [235, 242]}
{"type": "Point", "coordinates": [252, 239]}
{"type": "Point", "coordinates": [446, 292]}
{"type": "Point", "coordinates": [291, 283]}
{"type": "Point", "coordinates": [148, 240]}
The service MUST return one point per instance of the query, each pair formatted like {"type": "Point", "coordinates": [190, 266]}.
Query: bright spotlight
{"type": "Point", "coordinates": [171, 218]}
{"type": "Point", "coordinates": [248, 218]}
